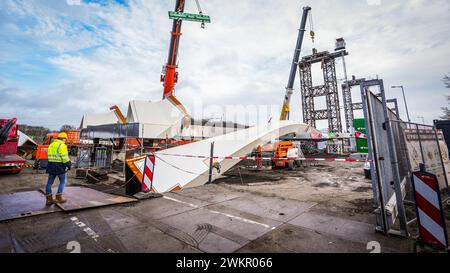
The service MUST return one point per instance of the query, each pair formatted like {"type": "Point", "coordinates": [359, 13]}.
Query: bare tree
{"type": "Point", "coordinates": [446, 81]}
{"type": "Point", "coordinates": [66, 127]}
{"type": "Point", "coordinates": [446, 110]}
{"type": "Point", "coordinates": [37, 133]}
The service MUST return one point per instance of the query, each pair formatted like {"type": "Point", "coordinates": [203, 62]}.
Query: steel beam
{"type": "Point", "coordinates": [329, 90]}
{"type": "Point", "coordinates": [349, 106]}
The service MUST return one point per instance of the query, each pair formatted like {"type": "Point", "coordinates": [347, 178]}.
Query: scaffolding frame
{"type": "Point", "coordinates": [349, 106]}
{"type": "Point", "coordinates": [329, 90]}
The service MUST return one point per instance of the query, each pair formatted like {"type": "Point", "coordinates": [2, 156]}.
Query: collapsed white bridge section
{"type": "Point", "coordinates": [173, 172]}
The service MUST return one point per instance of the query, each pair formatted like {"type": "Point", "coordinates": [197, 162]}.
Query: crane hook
{"type": "Point", "coordinates": [200, 12]}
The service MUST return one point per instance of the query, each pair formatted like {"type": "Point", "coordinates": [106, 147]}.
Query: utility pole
{"type": "Point", "coordinates": [211, 163]}
{"type": "Point", "coordinates": [404, 99]}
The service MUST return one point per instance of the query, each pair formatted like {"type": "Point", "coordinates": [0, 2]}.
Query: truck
{"type": "Point", "coordinates": [73, 142]}
{"type": "Point", "coordinates": [10, 162]}
{"type": "Point", "coordinates": [286, 155]}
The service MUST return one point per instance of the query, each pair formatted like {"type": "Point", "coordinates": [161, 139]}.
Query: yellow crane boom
{"type": "Point", "coordinates": [289, 88]}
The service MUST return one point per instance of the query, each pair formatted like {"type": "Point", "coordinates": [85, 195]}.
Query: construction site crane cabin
{"type": "Point", "coordinates": [194, 184]}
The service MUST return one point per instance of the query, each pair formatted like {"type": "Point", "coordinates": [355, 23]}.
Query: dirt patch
{"type": "Point", "coordinates": [323, 185]}
{"type": "Point", "coordinates": [362, 189]}
{"type": "Point", "coordinates": [447, 210]}
{"type": "Point", "coordinates": [338, 186]}
{"type": "Point", "coordinates": [247, 178]}
{"type": "Point", "coordinates": [362, 205]}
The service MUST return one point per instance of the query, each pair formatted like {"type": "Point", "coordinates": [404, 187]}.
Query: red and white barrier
{"type": "Point", "coordinates": [429, 209]}
{"type": "Point", "coordinates": [149, 168]}
{"type": "Point", "coordinates": [360, 135]}
{"type": "Point", "coordinates": [268, 158]}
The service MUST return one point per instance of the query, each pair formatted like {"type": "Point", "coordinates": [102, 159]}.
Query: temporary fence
{"type": "Point", "coordinates": [102, 157]}
{"type": "Point", "coordinates": [387, 180]}
{"type": "Point", "coordinates": [398, 149]}
{"type": "Point", "coordinates": [98, 157]}
{"type": "Point", "coordinates": [424, 148]}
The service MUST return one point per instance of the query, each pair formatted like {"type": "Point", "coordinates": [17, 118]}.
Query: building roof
{"type": "Point", "coordinates": [158, 119]}
{"type": "Point", "coordinates": [98, 119]}
{"type": "Point", "coordinates": [159, 112]}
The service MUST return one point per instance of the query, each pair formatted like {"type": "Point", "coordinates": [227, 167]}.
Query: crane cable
{"type": "Point", "coordinates": [311, 27]}
{"type": "Point", "coordinates": [198, 7]}
{"type": "Point", "coordinates": [200, 12]}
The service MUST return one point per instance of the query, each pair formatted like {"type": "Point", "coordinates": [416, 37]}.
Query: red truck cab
{"type": "Point", "coordinates": [9, 139]}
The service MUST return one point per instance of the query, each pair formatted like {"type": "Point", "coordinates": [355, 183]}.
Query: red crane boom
{"type": "Point", "coordinates": [170, 76]}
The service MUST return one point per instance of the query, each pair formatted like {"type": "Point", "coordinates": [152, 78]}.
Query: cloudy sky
{"type": "Point", "coordinates": [62, 58]}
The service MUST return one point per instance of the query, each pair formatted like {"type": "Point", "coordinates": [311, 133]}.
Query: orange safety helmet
{"type": "Point", "coordinates": [62, 135]}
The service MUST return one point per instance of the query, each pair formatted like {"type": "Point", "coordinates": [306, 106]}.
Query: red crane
{"type": "Point", "coordinates": [170, 74]}
{"type": "Point", "coordinates": [9, 139]}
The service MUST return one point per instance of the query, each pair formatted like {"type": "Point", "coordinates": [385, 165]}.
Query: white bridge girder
{"type": "Point", "coordinates": [175, 172]}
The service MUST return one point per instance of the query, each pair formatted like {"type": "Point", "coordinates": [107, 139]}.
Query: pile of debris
{"type": "Point", "coordinates": [92, 176]}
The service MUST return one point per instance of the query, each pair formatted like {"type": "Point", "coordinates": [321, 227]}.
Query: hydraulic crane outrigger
{"type": "Point", "coordinates": [170, 75]}
{"type": "Point", "coordinates": [289, 88]}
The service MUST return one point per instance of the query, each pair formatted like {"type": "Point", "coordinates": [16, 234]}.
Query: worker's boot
{"type": "Point", "coordinates": [50, 200]}
{"type": "Point", "coordinates": [60, 199]}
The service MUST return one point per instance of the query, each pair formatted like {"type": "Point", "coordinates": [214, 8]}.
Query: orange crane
{"type": "Point", "coordinates": [170, 74]}
{"type": "Point", "coordinates": [118, 113]}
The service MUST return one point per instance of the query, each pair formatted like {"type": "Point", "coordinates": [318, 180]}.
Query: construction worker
{"type": "Point", "coordinates": [58, 165]}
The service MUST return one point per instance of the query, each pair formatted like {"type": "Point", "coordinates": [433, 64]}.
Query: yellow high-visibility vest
{"type": "Point", "coordinates": [57, 152]}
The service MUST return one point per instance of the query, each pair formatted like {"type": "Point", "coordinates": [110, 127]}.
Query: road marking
{"type": "Point", "coordinates": [89, 231]}
{"type": "Point", "coordinates": [245, 220]}
{"type": "Point", "coordinates": [181, 202]}
{"type": "Point", "coordinates": [86, 229]}
{"type": "Point", "coordinates": [242, 219]}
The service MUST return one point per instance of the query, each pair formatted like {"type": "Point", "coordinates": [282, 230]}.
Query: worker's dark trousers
{"type": "Point", "coordinates": [51, 179]}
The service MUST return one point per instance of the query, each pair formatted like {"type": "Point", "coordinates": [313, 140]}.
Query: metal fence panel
{"type": "Point", "coordinates": [84, 158]}
{"type": "Point", "coordinates": [380, 138]}
{"type": "Point", "coordinates": [388, 178]}
{"type": "Point", "coordinates": [397, 149]}
{"type": "Point", "coordinates": [102, 157]}
{"type": "Point", "coordinates": [427, 146]}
